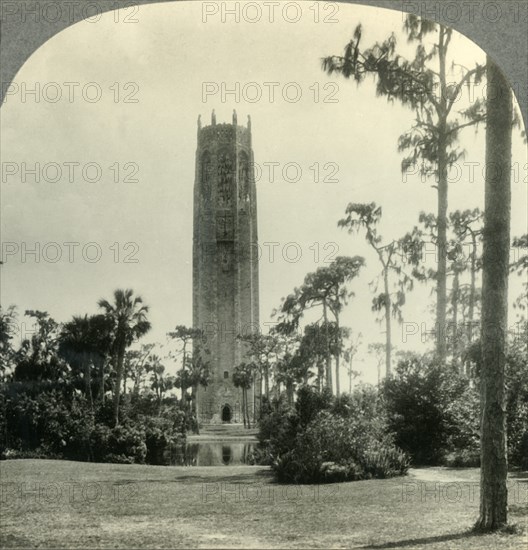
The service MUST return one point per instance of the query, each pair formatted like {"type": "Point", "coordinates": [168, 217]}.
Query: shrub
{"type": "Point", "coordinates": [66, 428]}
{"type": "Point", "coordinates": [161, 436]}
{"type": "Point", "coordinates": [463, 458]}
{"type": "Point", "coordinates": [279, 427]}
{"type": "Point", "coordinates": [124, 444]}
{"type": "Point", "coordinates": [332, 448]}
{"type": "Point", "coordinates": [521, 459]}
{"type": "Point", "coordinates": [278, 432]}
{"type": "Point", "coordinates": [310, 402]}
{"type": "Point", "coordinates": [326, 439]}
{"type": "Point", "coordinates": [517, 398]}
{"type": "Point", "coordinates": [431, 410]}
{"type": "Point", "coordinates": [382, 459]}
{"type": "Point", "coordinates": [58, 423]}
{"type": "Point", "coordinates": [516, 391]}
{"type": "Point", "coordinates": [364, 401]}
{"type": "Point", "coordinates": [12, 454]}
{"type": "Point", "coordinates": [49, 423]}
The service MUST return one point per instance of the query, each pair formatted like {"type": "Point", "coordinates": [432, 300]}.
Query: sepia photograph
{"type": "Point", "coordinates": [263, 274]}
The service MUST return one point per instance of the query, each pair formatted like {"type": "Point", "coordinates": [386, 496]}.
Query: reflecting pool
{"type": "Point", "coordinates": [212, 453]}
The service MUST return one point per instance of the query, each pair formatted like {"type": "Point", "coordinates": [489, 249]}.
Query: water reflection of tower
{"type": "Point", "coordinates": [227, 454]}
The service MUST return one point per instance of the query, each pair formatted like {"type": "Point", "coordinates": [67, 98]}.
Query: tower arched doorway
{"type": "Point", "coordinates": [227, 413]}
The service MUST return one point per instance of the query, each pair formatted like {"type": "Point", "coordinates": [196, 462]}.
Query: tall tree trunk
{"type": "Point", "coordinates": [388, 342]}
{"type": "Point", "coordinates": [337, 355]}
{"type": "Point", "coordinates": [494, 458]}
{"type": "Point", "coordinates": [454, 305]}
{"type": "Point", "coordinates": [260, 396]}
{"type": "Point", "coordinates": [255, 399]}
{"type": "Point", "coordinates": [289, 393]}
{"type": "Point", "coordinates": [119, 376]}
{"type": "Point", "coordinates": [102, 379]}
{"type": "Point", "coordinates": [194, 394]}
{"type": "Point", "coordinates": [193, 398]}
{"type": "Point", "coordinates": [247, 409]}
{"type": "Point", "coordinates": [472, 289]}
{"type": "Point", "coordinates": [328, 360]}
{"type": "Point", "coordinates": [183, 386]}
{"type": "Point", "coordinates": [266, 381]}
{"type": "Point", "coordinates": [244, 406]}
{"type": "Point", "coordinates": [88, 378]}
{"type": "Point", "coordinates": [350, 374]}
{"type": "Point", "coordinates": [441, 284]}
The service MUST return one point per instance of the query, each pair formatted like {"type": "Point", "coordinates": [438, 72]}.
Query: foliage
{"type": "Point", "coordinates": [195, 367]}
{"type": "Point", "coordinates": [424, 85]}
{"type": "Point", "coordinates": [516, 391]}
{"type": "Point", "coordinates": [53, 425]}
{"type": "Point", "coordinates": [368, 216]}
{"type": "Point", "coordinates": [123, 444]}
{"type": "Point", "coordinates": [328, 439]}
{"type": "Point", "coordinates": [128, 317]}
{"type": "Point", "coordinates": [310, 403]}
{"type": "Point", "coordinates": [47, 422]}
{"type": "Point", "coordinates": [462, 254]}
{"type": "Point", "coordinates": [325, 288]}
{"type": "Point", "coordinates": [431, 409]}
{"type": "Point", "coordinates": [332, 448]}
{"type": "Point", "coordinates": [53, 401]}
{"type": "Point", "coordinates": [8, 329]}
{"type": "Point", "coordinates": [163, 434]}
{"type": "Point", "coordinates": [517, 398]}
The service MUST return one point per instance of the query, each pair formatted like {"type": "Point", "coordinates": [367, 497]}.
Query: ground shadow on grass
{"type": "Point", "coordinates": [14, 541]}
{"type": "Point", "coordinates": [510, 529]}
{"type": "Point", "coordinates": [193, 478]}
{"type": "Point", "coordinates": [519, 476]}
{"type": "Point", "coordinates": [420, 542]}
{"type": "Point", "coordinates": [518, 510]}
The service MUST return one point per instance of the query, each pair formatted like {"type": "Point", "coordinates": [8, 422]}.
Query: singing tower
{"type": "Point", "coordinates": [225, 261]}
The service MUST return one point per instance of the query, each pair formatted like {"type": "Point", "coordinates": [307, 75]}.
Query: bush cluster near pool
{"type": "Point", "coordinates": [326, 439]}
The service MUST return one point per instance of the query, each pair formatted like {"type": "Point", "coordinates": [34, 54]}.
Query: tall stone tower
{"type": "Point", "coordinates": [225, 261]}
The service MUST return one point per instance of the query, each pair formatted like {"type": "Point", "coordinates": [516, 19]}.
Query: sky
{"type": "Point", "coordinates": [116, 108]}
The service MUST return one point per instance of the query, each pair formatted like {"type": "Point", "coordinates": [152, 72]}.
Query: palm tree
{"type": "Point", "coordinates": [85, 343]}
{"type": "Point", "coordinates": [136, 360]}
{"type": "Point", "coordinates": [199, 375]}
{"type": "Point", "coordinates": [159, 381]}
{"type": "Point", "coordinates": [7, 331]}
{"type": "Point", "coordinates": [186, 335]}
{"type": "Point", "coordinates": [243, 378]}
{"type": "Point", "coordinates": [292, 370]}
{"type": "Point", "coordinates": [129, 317]}
{"type": "Point", "coordinates": [76, 346]}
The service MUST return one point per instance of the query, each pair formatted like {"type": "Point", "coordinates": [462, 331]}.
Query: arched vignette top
{"type": "Point", "coordinates": [504, 39]}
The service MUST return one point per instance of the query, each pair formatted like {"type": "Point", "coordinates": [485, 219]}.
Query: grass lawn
{"type": "Point", "coordinates": [60, 504]}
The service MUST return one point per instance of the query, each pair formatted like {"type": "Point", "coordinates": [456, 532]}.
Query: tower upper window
{"type": "Point", "coordinates": [226, 374]}
{"type": "Point", "coordinates": [206, 173]}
